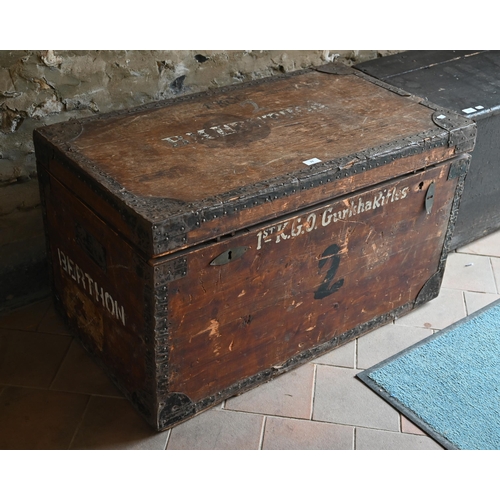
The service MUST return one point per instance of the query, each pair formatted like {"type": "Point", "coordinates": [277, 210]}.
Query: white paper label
{"type": "Point", "coordinates": [312, 161]}
{"type": "Point", "coordinates": [469, 110]}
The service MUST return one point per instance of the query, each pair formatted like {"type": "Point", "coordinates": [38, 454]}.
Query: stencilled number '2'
{"type": "Point", "coordinates": [327, 288]}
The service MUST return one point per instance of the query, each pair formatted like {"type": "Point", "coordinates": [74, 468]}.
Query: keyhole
{"type": "Point", "coordinates": [421, 185]}
{"type": "Point", "coordinates": [229, 255]}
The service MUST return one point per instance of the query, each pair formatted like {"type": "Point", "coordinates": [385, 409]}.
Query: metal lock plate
{"type": "Point", "coordinates": [228, 256]}
{"type": "Point", "coordinates": [429, 198]}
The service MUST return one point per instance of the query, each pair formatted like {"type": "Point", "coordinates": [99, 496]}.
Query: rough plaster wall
{"type": "Point", "coordinates": [43, 87]}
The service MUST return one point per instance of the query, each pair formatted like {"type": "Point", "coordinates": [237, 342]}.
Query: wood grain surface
{"type": "Point", "coordinates": [200, 148]}
{"type": "Point", "coordinates": [303, 281]}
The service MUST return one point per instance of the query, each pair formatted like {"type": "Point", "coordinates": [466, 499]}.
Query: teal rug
{"type": "Point", "coordinates": [449, 383]}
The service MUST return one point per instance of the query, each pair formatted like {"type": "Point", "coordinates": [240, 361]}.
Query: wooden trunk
{"type": "Point", "coordinates": [204, 245]}
{"type": "Point", "coordinates": [467, 82]}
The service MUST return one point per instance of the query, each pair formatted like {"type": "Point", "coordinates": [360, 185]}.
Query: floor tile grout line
{"type": "Point", "coordinates": [64, 334]}
{"type": "Point", "coordinates": [65, 391]}
{"type": "Point", "coordinates": [23, 330]}
{"type": "Point", "coordinates": [326, 422]}
{"type": "Point", "coordinates": [356, 426]}
{"type": "Point", "coordinates": [489, 257]}
{"type": "Point", "coordinates": [324, 363]}
{"type": "Point", "coordinates": [79, 425]}
{"type": "Point", "coordinates": [387, 430]}
{"type": "Point", "coordinates": [168, 439]}
{"type": "Point", "coordinates": [60, 364]}
{"type": "Point", "coordinates": [247, 412]}
{"type": "Point", "coordinates": [477, 254]}
{"type": "Point", "coordinates": [356, 355]}
{"type": "Point", "coordinates": [262, 432]}
{"type": "Point", "coordinates": [61, 391]}
{"type": "Point", "coordinates": [20, 330]}
{"type": "Point", "coordinates": [410, 435]}
{"type": "Point", "coordinates": [16, 310]}
{"type": "Point", "coordinates": [313, 390]}
{"type": "Point", "coordinates": [464, 302]}
{"type": "Point", "coordinates": [44, 315]}
{"type": "Point", "coordinates": [497, 284]}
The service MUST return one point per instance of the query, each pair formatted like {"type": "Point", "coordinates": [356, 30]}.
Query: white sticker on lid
{"type": "Point", "coordinates": [312, 161]}
{"type": "Point", "coordinates": [440, 117]}
{"type": "Point", "coordinates": [479, 107]}
{"type": "Point", "coordinates": [469, 110]}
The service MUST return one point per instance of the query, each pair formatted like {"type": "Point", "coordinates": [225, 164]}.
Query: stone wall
{"type": "Point", "coordinates": [43, 87]}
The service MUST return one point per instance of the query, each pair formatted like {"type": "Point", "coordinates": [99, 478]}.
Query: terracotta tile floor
{"type": "Point", "coordinates": [52, 396]}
